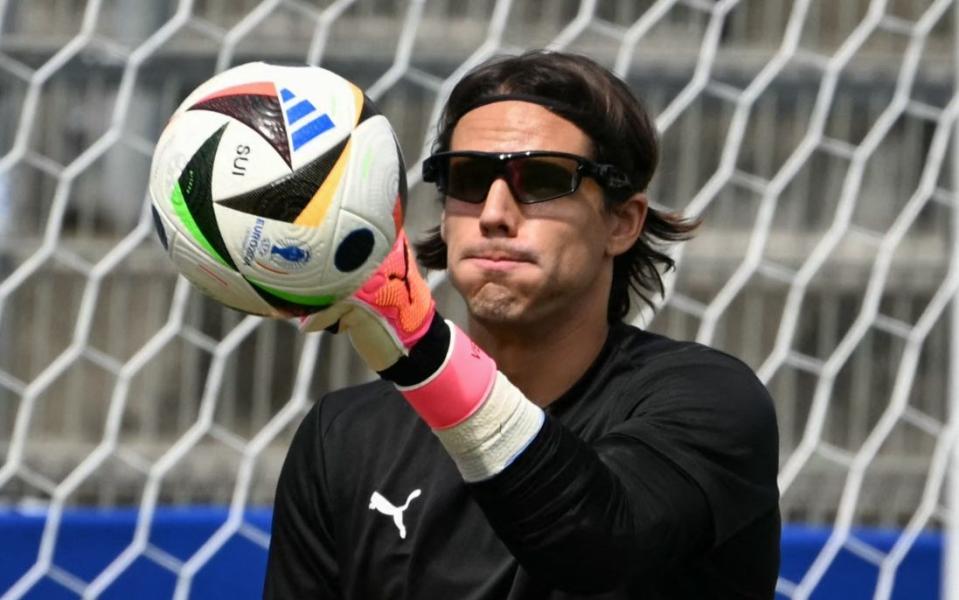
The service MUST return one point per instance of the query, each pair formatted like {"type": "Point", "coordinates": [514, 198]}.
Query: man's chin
{"type": "Point", "coordinates": [494, 315]}
{"type": "Point", "coordinates": [493, 305]}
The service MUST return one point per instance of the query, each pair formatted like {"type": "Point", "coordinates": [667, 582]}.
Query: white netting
{"type": "Point", "coordinates": [815, 138]}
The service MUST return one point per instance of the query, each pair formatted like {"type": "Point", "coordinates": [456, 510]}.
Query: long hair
{"type": "Point", "coordinates": [622, 133]}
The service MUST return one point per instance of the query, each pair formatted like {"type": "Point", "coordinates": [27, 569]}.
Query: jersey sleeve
{"type": "Point", "coordinates": [302, 561]}
{"type": "Point", "coordinates": [693, 462]}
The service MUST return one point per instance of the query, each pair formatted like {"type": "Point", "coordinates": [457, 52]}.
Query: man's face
{"type": "Point", "coordinates": [524, 263]}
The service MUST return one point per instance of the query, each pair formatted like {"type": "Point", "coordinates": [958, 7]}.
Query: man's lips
{"type": "Point", "coordinates": [499, 257]}
{"type": "Point", "coordinates": [498, 260]}
{"type": "Point", "coordinates": [496, 265]}
{"type": "Point", "coordinates": [497, 252]}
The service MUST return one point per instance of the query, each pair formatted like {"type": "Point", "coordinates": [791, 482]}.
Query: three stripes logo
{"type": "Point", "coordinates": [309, 121]}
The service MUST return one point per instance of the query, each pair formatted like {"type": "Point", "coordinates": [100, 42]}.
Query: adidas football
{"type": "Point", "coordinates": [277, 190]}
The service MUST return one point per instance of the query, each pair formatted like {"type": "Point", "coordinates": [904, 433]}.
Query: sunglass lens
{"type": "Point", "coordinates": [544, 177]}
{"type": "Point", "coordinates": [469, 177]}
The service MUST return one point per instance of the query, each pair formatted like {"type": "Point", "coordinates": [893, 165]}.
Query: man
{"type": "Point", "coordinates": [553, 452]}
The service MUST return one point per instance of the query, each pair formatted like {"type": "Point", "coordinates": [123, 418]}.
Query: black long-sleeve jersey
{"type": "Point", "coordinates": [653, 477]}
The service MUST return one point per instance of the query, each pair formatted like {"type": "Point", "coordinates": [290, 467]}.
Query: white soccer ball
{"type": "Point", "coordinates": [277, 190]}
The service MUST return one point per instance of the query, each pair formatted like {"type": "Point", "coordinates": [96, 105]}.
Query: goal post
{"type": "Point", "coordinates": [816, 139]}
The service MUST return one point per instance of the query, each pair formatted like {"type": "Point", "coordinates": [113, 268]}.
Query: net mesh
{"type": "Point", "coordinates": [815, 138]}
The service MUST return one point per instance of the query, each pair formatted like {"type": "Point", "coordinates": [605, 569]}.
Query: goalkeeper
{"type": "Point", "coordinates": [550, 451]}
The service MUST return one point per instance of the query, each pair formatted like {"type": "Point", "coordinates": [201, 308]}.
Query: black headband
{"type": "Point", "coordinates": [582, 119]}
{"type": "Point", "coordinates": [549, 103]}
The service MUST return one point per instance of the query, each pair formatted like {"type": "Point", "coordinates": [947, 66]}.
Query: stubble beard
{"type": "Point", "coordinates": [495, 305]}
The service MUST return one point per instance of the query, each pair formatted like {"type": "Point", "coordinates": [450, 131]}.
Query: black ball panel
{"type": "Point", "coordinates": [194, 184]}
{"type": "Point", "coordinates": [353, 251]}
{"type": "Point", "coordinates": [285, 198]}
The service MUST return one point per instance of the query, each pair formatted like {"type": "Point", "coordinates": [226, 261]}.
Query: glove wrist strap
{"type": "Point", "coordinates": [425, 357]}
{"type": "Point", "coordinates": [455, 390]}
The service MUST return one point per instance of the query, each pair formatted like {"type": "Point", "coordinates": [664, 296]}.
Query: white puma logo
{"type": "Point", "coordinates": [381, 504]}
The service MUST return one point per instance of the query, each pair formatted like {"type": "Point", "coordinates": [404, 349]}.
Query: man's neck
{"type": "Point", "coordinates": [543, 361]}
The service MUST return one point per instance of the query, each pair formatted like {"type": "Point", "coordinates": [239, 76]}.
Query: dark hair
{"type": "Point", "coordinates": [599, 103]}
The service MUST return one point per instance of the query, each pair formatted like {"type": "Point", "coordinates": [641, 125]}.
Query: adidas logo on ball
{"type": "Point", "coordinates": [298, 110]}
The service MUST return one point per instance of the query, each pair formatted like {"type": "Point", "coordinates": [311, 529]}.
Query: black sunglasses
{"type": "Point", "coordinates": [532, 175]}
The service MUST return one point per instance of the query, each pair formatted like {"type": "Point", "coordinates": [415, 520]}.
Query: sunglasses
{"type": "Point", "coordinates": [532, 175]}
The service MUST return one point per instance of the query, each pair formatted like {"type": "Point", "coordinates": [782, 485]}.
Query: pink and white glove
{"type": "Point", "coordinates": [392, 322]}
{"type": "Point", "coordinates": [390, 312]}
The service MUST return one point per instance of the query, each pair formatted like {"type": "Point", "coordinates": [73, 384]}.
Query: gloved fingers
{"type": "Point", "coordinates": [372, 336]}
{"type": "Point", "coordinates": [327, 319]}
{"type": "Point", "coordinates": [398, 295]}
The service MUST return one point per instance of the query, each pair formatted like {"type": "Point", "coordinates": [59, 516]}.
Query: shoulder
{"type": "Point", "coordinates": [365, 406]}
{"type": "Point", "coordinates": [366, 418]}
{"type": "Point", "coordinates": [678, 375]}
{"type": "Point", "coordinates": [654, 352]}
{"type": "Point", "coordinates": [361, 401]}
{"type": "Point", "coordinates": [345, 405]}
{"type": "Point", "coordinates": [667, 360]}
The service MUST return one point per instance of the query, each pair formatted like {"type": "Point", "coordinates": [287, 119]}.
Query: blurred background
{"type": "Point", "coordinates": [814, 137]}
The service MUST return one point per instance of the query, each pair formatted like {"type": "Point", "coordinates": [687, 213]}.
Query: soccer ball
{"type": "Point", "coordinates": [277, 190]}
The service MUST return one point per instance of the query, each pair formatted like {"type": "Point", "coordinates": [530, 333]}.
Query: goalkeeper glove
{"type": "Point", "coordinates": [393, 324]}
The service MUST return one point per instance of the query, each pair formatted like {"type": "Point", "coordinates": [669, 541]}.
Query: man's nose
{"type": "Point", "coordinates": [501, 213]}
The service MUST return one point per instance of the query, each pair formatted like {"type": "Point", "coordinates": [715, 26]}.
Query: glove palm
{"type": "Point", "coordinates": [390, 312]}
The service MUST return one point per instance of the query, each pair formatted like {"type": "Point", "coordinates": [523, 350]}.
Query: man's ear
{"type": "Point", "coordinates": [443, 225]}
{"type": "Point", "coordinates": [626, 224]}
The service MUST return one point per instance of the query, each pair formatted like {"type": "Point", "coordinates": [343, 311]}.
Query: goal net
{"type": "Point", "coordinates": [816, 139]}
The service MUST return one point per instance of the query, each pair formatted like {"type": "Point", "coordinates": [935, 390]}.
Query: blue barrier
{"type": "Point", "coordinates": [89, 539]}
